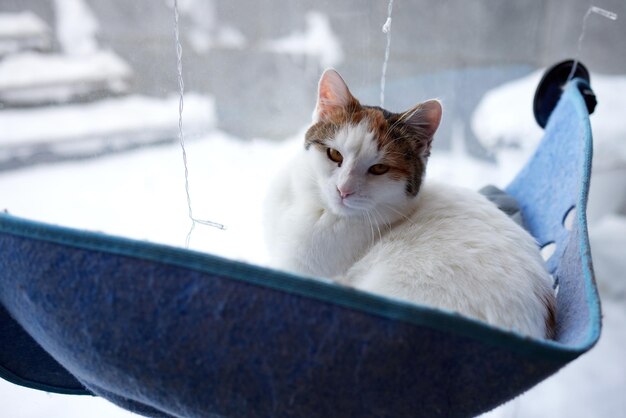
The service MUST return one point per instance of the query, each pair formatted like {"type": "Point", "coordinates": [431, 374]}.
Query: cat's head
{"type": "Point", "coordinates": [367, 161]}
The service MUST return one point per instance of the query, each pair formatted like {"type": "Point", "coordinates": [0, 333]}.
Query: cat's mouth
{"type": "Point", "coordinates": [350, 206]}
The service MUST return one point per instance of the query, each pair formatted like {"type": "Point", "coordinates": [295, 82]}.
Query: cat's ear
{"type": "Point", "coordinates": [425, 116]}
{"type": "Point", "coordinates": [332, 96]}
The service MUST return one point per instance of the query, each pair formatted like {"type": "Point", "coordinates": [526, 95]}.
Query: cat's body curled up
{"type": "Point", "coordinates": [353, 207]}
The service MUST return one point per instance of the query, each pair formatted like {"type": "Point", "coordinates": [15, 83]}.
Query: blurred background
{"type": "Point", "coordinates": [89, 113]}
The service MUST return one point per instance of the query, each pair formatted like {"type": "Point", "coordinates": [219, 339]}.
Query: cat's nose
{"type": "Point", "coordinates": [344, 192]}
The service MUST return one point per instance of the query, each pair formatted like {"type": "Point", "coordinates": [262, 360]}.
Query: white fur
{"type": "Point", "coordinates": [448, 247]}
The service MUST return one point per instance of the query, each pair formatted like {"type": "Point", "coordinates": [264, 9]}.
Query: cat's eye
{"type": "Point", "coordinates": [334, 155]}
{"type": "Point", "coordinates": [378, 169]}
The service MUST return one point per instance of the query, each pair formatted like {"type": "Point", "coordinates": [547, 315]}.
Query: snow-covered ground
{"type": "Point", "coordinates": [19, 31]}
{"type": "Point", "coordinates": [59, 78]}
{"type": "Point", "coordinates": [317, 41]}
{"type": "Point", "coordinates": [206, 30]}
{"type": "Point", "coordinates": [105, 118]}
{"type": "Point", "coordinates": [140, 194]}
{"type": "Point", "coordinates": [32, 73]}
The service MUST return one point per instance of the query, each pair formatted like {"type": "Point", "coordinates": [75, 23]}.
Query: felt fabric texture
{"type": "Point", "coordinates": [24, 362]}
{"type": "Point", "coordinates": [555, 181]}
{"type": "Point", "coordinates": [169, 332]}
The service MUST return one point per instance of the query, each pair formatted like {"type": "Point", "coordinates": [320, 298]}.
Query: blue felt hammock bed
{"type": "Point", "coordinates": [169, 332]}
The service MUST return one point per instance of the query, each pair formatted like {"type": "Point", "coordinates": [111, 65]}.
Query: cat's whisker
{"type": "Point", "coordinates": [407, 136]}
{"type": "Point", "coordinates": [373, 235]}
{"type": "Point", "coordinates": [391, 208]}
{"type": "Point", "coordinates": [383, 221]}
{"type": "Point", "coordinates": [371, 225]}
{"type": "Point", "coordinates": [380, 235]}
{"type": "Point", "coordinates": [393, 125]}
{"type": "Point", "coordinates": [394, 153]}
{"type": "Point", "coordinates": [389, 130]}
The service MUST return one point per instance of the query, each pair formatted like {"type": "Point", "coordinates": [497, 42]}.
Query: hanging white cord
{"type": "Point", "coordinates": [181, 136]}
{"type": "Point", "coordinates": [592, 9]}
{"type": "Point", "coordinates": [386, 31]}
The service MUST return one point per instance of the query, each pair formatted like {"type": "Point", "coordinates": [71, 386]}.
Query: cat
{"type": "Point", "coordinates": [353, 207]}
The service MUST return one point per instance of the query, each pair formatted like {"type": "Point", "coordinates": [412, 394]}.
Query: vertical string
{"type": "Point", "coordinates": [181, 136]}
{"type": "Point", "coordinates": [592, 9]}
{"type": "Point", "coordinates": [386, 31]}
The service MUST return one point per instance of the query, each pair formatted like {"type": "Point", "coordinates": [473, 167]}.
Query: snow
{"type": "Point", "coordinates": [317, 41]}
{"type": "Point", "coordinates": [21, 25]}
{"type": "Point", "coordinates": [79, 69]}
{"type": "Point", "coordinates": [20, 402]}
{"type": "Point", "coordinates": [140, 194]}
{"type": "Point", "coordinates": [32, 77]}
{"type": "Point", "coordinates": [47, 69]}
{"type": "Point", "coordinates": [76, 27]}
{"type": "Point", "coordinates": [106, 117]}
{"type": "Point", "coordinates": [110, 125]}
{"type": "Point", "coordinates": [607, 242]}
{"type": "Point", "coordinates": [206, 31]}
{"type": "Point", "coordinates": [517, 126]}
{"type": "Point", "coordinates": [227, 37]}
{"type": "Point", "coordinates": [23, 30]}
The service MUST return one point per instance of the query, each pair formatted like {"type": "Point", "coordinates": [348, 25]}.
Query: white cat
{"type": "Point", "coordinates": [352, 207]}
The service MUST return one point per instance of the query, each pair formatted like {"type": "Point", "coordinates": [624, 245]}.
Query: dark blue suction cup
{"type": "Point", "coordinates": [551, 87]}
